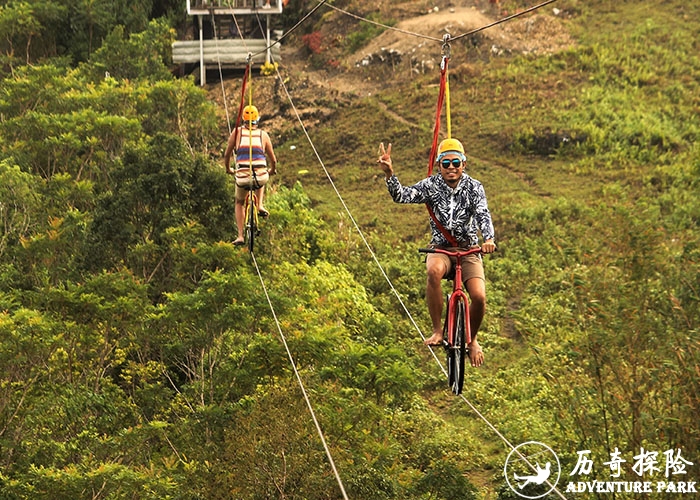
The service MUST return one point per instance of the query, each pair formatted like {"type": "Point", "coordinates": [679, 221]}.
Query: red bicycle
{"type": "Point", "coordinates": [456, 330]}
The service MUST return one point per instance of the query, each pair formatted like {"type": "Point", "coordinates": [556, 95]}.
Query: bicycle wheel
{"type": "Point", "coordinates": [458, 350]}
{"type": "Point", "coordinates": [251, 225]}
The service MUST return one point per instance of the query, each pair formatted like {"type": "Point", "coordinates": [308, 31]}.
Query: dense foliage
{"type": "Point", "coordinates": [138, 354]}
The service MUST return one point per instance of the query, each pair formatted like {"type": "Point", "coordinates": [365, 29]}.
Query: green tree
{"type": "Point", "coordinates": [18, 27]}
{"type": "Point", "coordinates": [19, 205]}
{"type": "Point", "coordinates": [145, 54]}
{"type": "Point", "coordinates": [153, 192]}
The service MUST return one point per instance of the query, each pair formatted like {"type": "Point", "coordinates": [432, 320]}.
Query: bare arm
{"type": "Point", "coordinates": [270, 153]}
{"type": "Point", "coordinates": [231, 146]}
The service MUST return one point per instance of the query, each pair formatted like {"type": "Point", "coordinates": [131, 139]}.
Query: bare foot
{"type": "Point", "coordinates": [239, 241]}
{"type": "Point", "coordinates": [434, 340]}
{"type": "Point", "coordinates": [476, 355]}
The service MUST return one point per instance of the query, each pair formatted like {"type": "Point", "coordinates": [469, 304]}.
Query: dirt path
{"type": "Point", "coordinates": [542, 32]}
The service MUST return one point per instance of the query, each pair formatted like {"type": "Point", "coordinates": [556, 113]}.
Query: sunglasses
{"type": "Point", "coordinates": [455, 162]}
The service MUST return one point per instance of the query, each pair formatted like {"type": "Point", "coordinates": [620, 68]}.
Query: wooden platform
{"type": "Point", "coordinates": [216, 40]}
{"type": "Point", "coordinates": [228, 52]}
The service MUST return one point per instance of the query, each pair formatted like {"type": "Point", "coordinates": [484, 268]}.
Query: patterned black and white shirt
{"type": "Point", "coordinates": [461, 210]}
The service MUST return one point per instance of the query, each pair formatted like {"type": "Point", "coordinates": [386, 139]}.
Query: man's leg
{"type": "Point", "coordinates": [436, 267]}
{"type": "Point", "coordinates": [476, 288]}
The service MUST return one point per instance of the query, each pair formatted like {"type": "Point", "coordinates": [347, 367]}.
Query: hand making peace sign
{"type": "Point", "coordinates": [384, 160]}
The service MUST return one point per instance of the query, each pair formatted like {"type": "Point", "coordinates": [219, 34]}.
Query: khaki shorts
{"type": "Point", "coordinates": [472, 265]}
{"type": "Point", "coordinates": [245, 181]}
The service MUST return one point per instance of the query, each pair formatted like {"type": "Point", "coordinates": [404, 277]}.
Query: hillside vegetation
{"type": "Point", "coordinates": [139, 357]}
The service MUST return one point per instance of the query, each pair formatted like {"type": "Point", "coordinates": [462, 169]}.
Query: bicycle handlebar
{"type": "Point", "coordinates": [451, 253]}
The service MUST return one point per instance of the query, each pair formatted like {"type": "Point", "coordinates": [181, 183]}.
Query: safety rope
{"type": "Point", "coordinates": [299, 380]}
{"type": "Point", "coordinates": [250, 129]}
{"type": "Point", "coordinates": [245, 83]}
{"type": "Point", "coordinates": [447, 54]}
{"type": "Point", "coordinates": [221, 75]}
{"type": "Point", "coordinates": [239, 117]}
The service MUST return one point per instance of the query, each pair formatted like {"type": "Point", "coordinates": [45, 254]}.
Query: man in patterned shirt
{"type": "Point", "coordinates": [459, 204]}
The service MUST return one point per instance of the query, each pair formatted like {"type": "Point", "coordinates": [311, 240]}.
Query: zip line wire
{"type": "Point", "coordinates": [291, 30]}
{"type": "Point", "coordinates": [362, 236]}
{"type": "Point", "coordinates": [399, 30]}
{"type": "Point", "coordinates": [434, 39]}
{"type": "Point", "coordinates": [503, 20]}
{"type": "Point", "coordinates": [393, 28]}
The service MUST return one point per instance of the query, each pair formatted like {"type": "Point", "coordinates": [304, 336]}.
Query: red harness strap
{"type": "Point", "coordinates": [433, 151]}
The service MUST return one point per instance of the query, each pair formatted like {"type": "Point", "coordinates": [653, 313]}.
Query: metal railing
{"type": "Point", "coordinates": [199, 5]}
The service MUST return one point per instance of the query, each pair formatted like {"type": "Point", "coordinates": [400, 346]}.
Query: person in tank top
{"type": "Point", "coordinates": [255, 161]}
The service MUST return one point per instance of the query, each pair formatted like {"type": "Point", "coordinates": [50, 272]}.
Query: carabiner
{"type": "Point", "coordinates": [446, 51]}
{"type": "Point", "coordinates": [446, 48]}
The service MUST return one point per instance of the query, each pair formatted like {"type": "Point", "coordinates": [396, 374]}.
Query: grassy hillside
{"type": "Point", "coordinates": [139, 357]}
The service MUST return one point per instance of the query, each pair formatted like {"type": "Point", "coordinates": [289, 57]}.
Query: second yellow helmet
{"type": "Point", "coordinates": [250, 113]}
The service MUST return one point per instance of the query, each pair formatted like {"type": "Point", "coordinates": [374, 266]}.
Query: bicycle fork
{"type": "Point", "coordinates": [450, 319]}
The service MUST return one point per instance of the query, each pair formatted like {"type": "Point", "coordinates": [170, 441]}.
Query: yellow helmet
{"type": "Point", "coordinates": [250, 113]}
{"type": "Point", "coordinates": [451, 146]}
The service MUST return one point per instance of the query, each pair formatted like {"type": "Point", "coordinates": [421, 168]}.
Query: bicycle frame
{"type": "Point", "coordinates": [250, 201]}
{"type": "Point", "coordinates": [457, 288]}
{"type": "Point", "coordinates": [455, 347]}
{"type": "Point", "coordinates": [251, 218]}
{"type": "Point", "coordinates": [457, 294]}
